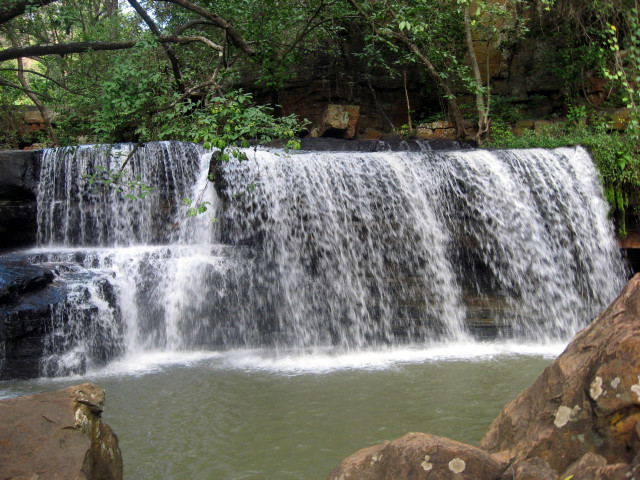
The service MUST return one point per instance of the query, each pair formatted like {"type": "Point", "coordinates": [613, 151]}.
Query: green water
{"type": "Point", "coordinates": [209, 420]}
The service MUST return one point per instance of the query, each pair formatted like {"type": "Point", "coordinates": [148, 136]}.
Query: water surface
{"type": "Point", "coordinates": [250, 415]}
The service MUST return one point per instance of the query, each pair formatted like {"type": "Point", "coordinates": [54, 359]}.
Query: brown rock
{"type": "Point", "coordinates": [436, 131]}
{"type": "Point", "coordinates": [338, 118]}
{"type": "Point", "coordinates": [370, 134]}
{"type": "Point", "coordinates": [594, 467]}
{"type": "Point", "coordinates": [33, 116]}
{"type": "Point", "coordinates": [58, 435]}
{"type": "Point", "coordinates": [419, 456]}
{"type": "Point", "coordinates": [533, 469]}
{"type": "Point", "coordinates": [588, 400]}
{"type": "Point", "coordinates": [619, 118]}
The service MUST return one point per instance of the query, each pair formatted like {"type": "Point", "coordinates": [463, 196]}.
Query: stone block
{"type": "Point", "coordinates": [338, 120]}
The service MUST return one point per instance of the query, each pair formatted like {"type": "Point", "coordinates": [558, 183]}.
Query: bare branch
{"type": "Point", "coordinates": [212, 81]}
{"type": "Point", "coordinates": [171, 55]}
{"type": "Point", "coordinates": [185, 40]}
{"type": "Point", "coordinates": [33, 72]}
{"type": "Point", "coordinates": [220, 22]}
{"type": "Point", "coordinates": [62, 49]}
{"type": "Point", "coordinates": [22, 89]}
{"type": "Point", "coordinates": [190, 24]}
{"type": "Point", "coordinates": [82, 47]}
{"type": "Point", "coordinates": [34, 98]}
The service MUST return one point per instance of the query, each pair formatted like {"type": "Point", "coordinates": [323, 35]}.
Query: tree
{"type": "Point", "coordinates": [438, 34]}
{"type": "Point", "coordinates": [76, 63]}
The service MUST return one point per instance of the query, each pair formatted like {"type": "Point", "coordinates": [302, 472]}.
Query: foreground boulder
{"type": "Point", "coordinates": [587, 401]}
{"type": "Point", "coordinates": [419, 455]}
{"type": "Point", "coordinates": [58, 435]}
{"type": "Point", "coordinates": [579, 420]}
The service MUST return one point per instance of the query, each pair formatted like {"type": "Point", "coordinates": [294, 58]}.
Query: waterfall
{"type": "Point", "coordinates": [73, 209]}
{"type": "Point", "coordinates": [348, 250]}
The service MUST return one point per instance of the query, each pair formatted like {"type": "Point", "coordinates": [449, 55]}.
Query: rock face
{"type": "Point", "coordinates": [580, 419]}
{"type": "Point", "coordinates": [51, 322]}
{"type": "Point", "coordinates": [26, 299]}
{"type": "Point", "coordinates": [58, 435]}
{"type": "Point", "coordinates": [338, 121]}
{"type": "Point", "coordinates": [19, 174]}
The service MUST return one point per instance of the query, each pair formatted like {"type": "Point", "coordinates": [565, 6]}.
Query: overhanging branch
{"type": "Point", "coordinates": [10, 9]}
{"type": "Point", "coordinates": [82, 47]}
{"type": "Point", "coordinates": [62, 49]}
{"type": "Point", "coordinates": [220, 22]}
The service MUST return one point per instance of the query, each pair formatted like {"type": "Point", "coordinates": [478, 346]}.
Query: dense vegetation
{"type": "Point", "coordinates": [140, 70]}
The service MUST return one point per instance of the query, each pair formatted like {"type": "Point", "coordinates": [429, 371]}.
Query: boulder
{"type": "Point", "coordinates": [587, 401]}
{"type": "Point", "coordinates": [437, 131]}
{"type": "Point", "coordinates": [58, 435]}
{"type": "Point", "coordinates": [419, 456]}
{"type": "Point", "coordinates": [338, 121]}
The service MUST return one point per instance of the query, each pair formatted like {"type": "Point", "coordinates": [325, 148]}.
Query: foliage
{"type": "Point", "coordinates": [227, 122]}
{"type": "Point", "coordinates": [131, 188]}
{"type": "Point", "coordinates": [442, 37]}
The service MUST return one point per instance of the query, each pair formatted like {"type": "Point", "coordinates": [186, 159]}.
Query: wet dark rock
{"type": "Point", "coordinates": [26, 299]}
{"type": "Point", "coordinates": [18, 277]}
{"type": "Point", "coordinates": [42, 323]}
{"type": "Point", "coordinates": [328, 144]}
{"type": "Point", "coordinates": [19, 175]}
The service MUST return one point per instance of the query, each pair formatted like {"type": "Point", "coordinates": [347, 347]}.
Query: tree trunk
{"type": "Point", "coordinates": [34, 98]}
{"type": "Point", "coordinates": [481, 108]}
{"type": "Point", "coordinates": [406, 95]}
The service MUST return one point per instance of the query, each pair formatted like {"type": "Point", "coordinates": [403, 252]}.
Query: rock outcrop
{"type": "Point", "coordinates": [50, 321]}
{"type": "Point", "coordinates": [27, 296]}
{"type": "Point", "coordinates": [19, 175]}
{"type": "Point", "coordinates": [587, 401]}
{"type": "Point", "coordinates": [580, 419]}
{"type": "Point", "coordinates": [58, 435]}
{"type": "Point", "coordinates": [338, 121]}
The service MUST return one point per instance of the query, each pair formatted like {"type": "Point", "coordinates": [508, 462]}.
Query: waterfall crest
{"type": "Point", "coordinates": [314, 249]}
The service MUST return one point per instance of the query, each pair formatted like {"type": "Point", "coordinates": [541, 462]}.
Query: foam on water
{"type": "Point", "coordinates": [322, 361]}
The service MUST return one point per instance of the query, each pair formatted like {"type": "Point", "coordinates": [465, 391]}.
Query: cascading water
{"type": "Point", "coordinates": [385, 247]}
{"type": "Point", "coordinates": [325, 249]}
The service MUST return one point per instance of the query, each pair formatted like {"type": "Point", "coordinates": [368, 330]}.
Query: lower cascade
{"type": "Point", "coordinates": [300, 251]}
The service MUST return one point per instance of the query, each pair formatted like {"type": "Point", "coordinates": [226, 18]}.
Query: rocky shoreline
{"type": "Point", "coordinates": [579, 420]}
